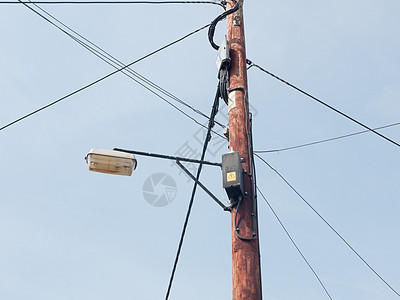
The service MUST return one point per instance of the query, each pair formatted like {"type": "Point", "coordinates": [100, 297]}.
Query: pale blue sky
{"type": "Point", "coordinates": [67, 233]}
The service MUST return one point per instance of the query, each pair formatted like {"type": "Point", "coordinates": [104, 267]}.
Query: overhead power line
{"type": "Point", "coordinates": [103, 78]}
{"type": "Point", "coordinates": [251, 64]}
{"type": "Point", "coordinates": [329, 225]}
{"type": "Point", "coordinates": [114, 2]}
{"type": "Point", "coordinates": [294, 243]}
{"type": "Point", "coordinates": [325, 140]}
{"type": "Point", "coordinates": [114, 62]}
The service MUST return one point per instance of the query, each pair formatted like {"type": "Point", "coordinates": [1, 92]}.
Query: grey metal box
{"type": "Point", "coordinates": [232, 174]}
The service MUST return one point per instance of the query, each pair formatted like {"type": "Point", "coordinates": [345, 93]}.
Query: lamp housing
{"type": "Point", "coordinates": [111, 162]}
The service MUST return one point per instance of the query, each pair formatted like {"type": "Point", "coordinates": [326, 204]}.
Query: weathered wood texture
{"type": "Point", "coordinates": [245, 254]}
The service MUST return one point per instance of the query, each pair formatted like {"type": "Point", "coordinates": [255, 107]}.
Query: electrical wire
{"type": "Point", "coordinates": [251, 64]}
{"type": "Point", "coordinates": [251, 160]}
{"type": "Point", "coordinates": [325, 140]}
{"type": "Point", "coordinates": [115, 2]}
{"type": "Point", "coordinates": [103, 78]}
{"type": "Point", "coordinates": [254, 191]}
{"type": "Point", "coordinates": [329, 225]}
{"type": "Point", "coordinates": [211, 30]}
{"type": "Point", "coordinates": [224, 83]}
{"type": "Point", "coordinates": [214, 111]}
{"type": "Point", "coordinates": [251, 167]}
{"type": "Point", "coordinates": [294, 243]}
{"type": "Point", "coordinates": [114, 62]}
{"type": "Point", "coordinates": [254, 237]}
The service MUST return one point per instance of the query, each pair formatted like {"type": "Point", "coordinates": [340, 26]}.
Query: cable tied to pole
{"type": "Point", "coordinates": [251, 172]}
{"type": "Point", "coordinates": [211, 30]}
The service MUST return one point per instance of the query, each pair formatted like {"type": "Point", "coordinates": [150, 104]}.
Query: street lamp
{"type": "Point", "coordinates": [123, 162]}
{"type": "Point", "coordinates": [111, 162]}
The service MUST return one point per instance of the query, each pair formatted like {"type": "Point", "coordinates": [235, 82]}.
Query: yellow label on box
{"type": "Point", "coordinates": [231, 176]}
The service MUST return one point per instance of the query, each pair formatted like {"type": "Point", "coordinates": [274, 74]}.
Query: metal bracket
{"type": "Point", "coordinates": [163, 156]}
{"type": "Point", "coordinates": [226, 208]}
{"type": "Point", "coordinates": [224, 58]}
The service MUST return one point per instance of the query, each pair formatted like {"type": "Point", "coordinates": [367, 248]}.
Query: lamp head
{"type": "Point", "coordinates": [111, 162]}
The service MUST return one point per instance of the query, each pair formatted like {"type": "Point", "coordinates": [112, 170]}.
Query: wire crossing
{"type": "Point", "coordinates": [115, 63]}
{"type": "Point", "coordinates": [251, 64]}
{"type": "Point", "coordinates": [203, 154]}
{"type": "Point", "coordinates": [102, 78]}
{"type": "Point", "coordinates": [329, 225]}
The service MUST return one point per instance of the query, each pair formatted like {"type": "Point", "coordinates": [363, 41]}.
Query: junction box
{"type": "Point", "coordinates": [232, 175]}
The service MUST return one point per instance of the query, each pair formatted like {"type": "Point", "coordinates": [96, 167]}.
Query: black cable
{"type": "Point", "coordinates": [254, 189]}
{"type": "Point", "coordinates": [323, 103]}
{"type": "Point", "coordinates": [326, 140]}
{"type": "Point", "coordinates": [107, 57]}
{"type": "Point", "coordinates": [329, 225]}
{"type": "Point", "coordinates": [114, 2]}
{"type": "Point", "coordinates": [104, 77]}
{"type": "Point", "coordinates": [211, 30]}
{"type": "Point", "coordinates": [251, 167]}
{"type": "Point", "coordinates": [237, 227]}
{"type": "Point", "coordinates": [114, 62]}
{"type": "Point", "coordinates": [224, 83]}
{"type": "Point", "coordinates": [294, 244]}
{"type": "Point", "coordinates": [205, 145]}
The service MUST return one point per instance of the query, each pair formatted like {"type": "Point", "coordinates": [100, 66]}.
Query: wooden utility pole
{"type": "Point", "coordinates": [246, 277]}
